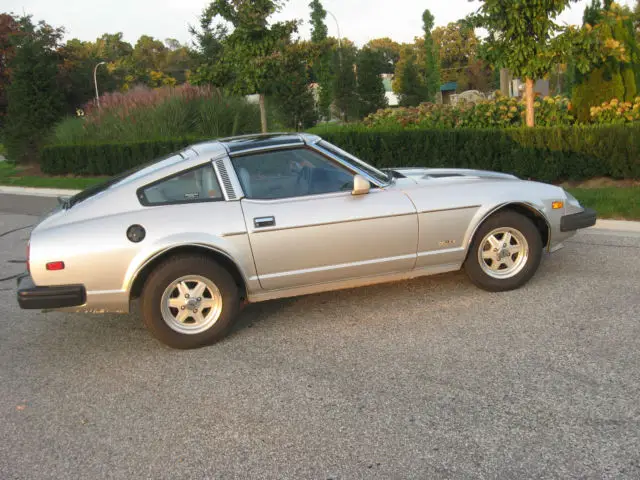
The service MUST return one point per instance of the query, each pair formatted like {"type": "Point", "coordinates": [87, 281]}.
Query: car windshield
{"type": "Point", "coordinates": [129, 174]}
{"type": "Point", "coordinates": [357, 163]}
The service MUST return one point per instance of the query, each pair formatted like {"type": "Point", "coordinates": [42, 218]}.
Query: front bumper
{"type": "Point", "coordinates": [584, 219]}
{"type": "Point", "coordinates": [32, 297]}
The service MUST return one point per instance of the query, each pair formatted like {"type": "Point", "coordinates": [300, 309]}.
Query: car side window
{"type": "Point", "coordinates": [195, 185]}
{"type": "Point", "coordinates": [290, 173]}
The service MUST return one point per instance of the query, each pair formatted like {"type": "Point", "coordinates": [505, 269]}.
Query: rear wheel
{"type": "Point", "coordinates": [505, 252]}
{"type": "Point", "coordinates": [189, 301]}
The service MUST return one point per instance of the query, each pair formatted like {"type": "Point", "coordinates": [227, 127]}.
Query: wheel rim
{"type": "Point", "coordinates": [191, 304]}
{"type": "Point", "coordinates": [503, 253]}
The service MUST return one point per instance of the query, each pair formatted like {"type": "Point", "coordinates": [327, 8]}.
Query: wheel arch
{"type": "Point", "coordinates": [538, 218]}
{"type": "Point", "coordinates": [219, 256]}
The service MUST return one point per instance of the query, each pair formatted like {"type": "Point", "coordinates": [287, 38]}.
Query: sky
{"type": "Point", "coordinates": [359, 20]}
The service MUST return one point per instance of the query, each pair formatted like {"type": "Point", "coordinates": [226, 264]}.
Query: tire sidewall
{"type": "Point", "coordinates": [505, 219]}
{"type": "Point", "coordinates": [169, 271]}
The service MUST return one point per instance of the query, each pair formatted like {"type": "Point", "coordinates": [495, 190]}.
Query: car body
{"type": "Point", "coordinates": [284, 215]}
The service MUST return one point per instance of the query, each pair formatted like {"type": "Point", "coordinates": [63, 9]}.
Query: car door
{"type": "Point", "coordinates": [305, 226]}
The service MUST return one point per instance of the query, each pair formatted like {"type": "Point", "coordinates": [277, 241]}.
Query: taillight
{"type": "Point", "coordinates": [55, 266]}
{"type": "Point", "coordinates": [28, 254]}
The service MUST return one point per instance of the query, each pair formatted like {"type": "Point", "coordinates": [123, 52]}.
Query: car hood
{"type": "Point", "coordinates": [420, 174]}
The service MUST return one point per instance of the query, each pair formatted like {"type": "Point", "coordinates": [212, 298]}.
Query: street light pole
{"type": "Point", "coordinates": [337, 25]}
{"type": "Point", "coordinates": [95, 82]}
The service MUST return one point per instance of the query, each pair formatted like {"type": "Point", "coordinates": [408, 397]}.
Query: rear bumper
{"type": "Point", "coordinates": [584, 219]}
{"type": "Point", "coordinates": [32, 297]}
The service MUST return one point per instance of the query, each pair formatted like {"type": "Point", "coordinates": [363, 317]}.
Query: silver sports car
{"type": "Point", "coordinates": [246, 219]}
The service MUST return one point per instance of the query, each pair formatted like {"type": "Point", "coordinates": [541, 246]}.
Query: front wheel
{"type": "Point", "coordinates": [505, 252]}
{"type": "Point", "coordinates": [189, 301]}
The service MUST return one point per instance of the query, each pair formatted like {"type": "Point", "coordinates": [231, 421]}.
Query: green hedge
{"type": "Point", "coordinates": [105, 158]}
{"type": "Point", "coordinates": [546, 154]}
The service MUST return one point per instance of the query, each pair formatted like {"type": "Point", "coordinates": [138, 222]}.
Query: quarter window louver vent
{"type": "Point", "coordinates": [226, 182]}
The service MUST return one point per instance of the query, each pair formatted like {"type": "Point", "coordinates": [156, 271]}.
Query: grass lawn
{"type": "Point", "coordinates": [621, 203]}
{"type": "Point", "coordinates": [13, 176]}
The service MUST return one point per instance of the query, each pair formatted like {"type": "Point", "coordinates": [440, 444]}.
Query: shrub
{"type": "Point", "coordinates": [542, 153]}
{"type": "Point", "coordinates": [500, 112]}
{"type": "Point", "coordinates": [143, 114]}
{"type": "Point", "coordinates": [105, 158]}
{"type": "Point", "coordinates": [616, 112]}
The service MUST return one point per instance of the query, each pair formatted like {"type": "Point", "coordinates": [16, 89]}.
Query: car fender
{"type": "Point", "coordinates": [233, 247]}
{"type": "Point", "coordinates": [486, 211]}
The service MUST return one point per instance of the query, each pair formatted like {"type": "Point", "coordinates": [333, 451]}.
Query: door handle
{"type": "Point", "coordinates": [261, 222]}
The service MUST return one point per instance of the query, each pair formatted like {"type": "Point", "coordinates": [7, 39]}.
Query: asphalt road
{"type": "Point", "coordinates": [430, 378]}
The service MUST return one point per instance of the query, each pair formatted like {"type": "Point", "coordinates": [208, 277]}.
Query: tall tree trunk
{"type": "Point", "coordinates": [531, 118]}
{"type": "Point", "coordinates": [505, 80]}
{"type": "Point", "coordinates": [263, 114]}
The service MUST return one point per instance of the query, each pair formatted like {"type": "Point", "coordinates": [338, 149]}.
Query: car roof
{"type": "Point", "coordinates": [254, 142]}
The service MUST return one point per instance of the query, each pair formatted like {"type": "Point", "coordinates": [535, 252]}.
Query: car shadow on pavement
{"type": "Point", "coordinates": [114, 332]}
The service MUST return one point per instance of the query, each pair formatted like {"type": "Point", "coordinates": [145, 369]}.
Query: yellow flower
{"type": "Point", "coordinates": [614, 102]}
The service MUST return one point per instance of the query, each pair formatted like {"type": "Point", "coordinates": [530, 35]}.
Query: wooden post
{"type": "Point", "coordinates": [263, 114]}
{"type": "Point", "coordinates": [531, 118]}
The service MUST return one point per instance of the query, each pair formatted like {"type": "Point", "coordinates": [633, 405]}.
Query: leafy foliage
{"type": "Point", "coordinates": [432, 60]}
{"type": "Point", "coordinates": [106, 158]}
{"type": "Point", "coordinates": [407, 82]}
{"type": "Point", "coordinates": [8, 28]}
{"type": "Point", "coordinates": [319, 29]}
{"type": "Point", "coordinates": [503, 112]}
{"type": "Point", "coordinates": [291, 94]}
{"type": "Point", "coordinates": [524, 37]}
{"type": "Point", "coordinates": [344, 82]}
{"type": "Point", "coordinates": [143, 114]}
{"type": "Point", "coordinates": [613, 76]}
{"type": "Point", "coordinates": [370, 89]}
{"type": "Point", "coordinates": [35, 99]}
{"type": "Point", "coordinates": [541, 153]}
{"type": "Point", "coordinates": [615, 111]}
{"type": "Point", "coordinates": [390, 51]}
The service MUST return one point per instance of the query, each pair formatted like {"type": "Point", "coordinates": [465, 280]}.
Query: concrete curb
{"type": "Point", "coordinates": [36, 192]}
{"type": "Point", "coordinates": [619, 225]}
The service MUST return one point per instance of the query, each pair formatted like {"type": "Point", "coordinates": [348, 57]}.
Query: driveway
{"type": "Point", "coordinates": [430, 378]}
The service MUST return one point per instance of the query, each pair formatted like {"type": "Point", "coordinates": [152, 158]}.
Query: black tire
{"type": "Point", "coordinates": [171, 270]}
{"type": "Point", "coordinates": [512, 220]}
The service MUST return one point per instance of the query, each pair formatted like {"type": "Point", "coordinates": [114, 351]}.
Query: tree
{"type": "Point", "coordinates": [322, 65]}
{"type": "Point", "coordinates": [432, 62]}
{"type": "Point", "coordinates": [612, 77]}
{"type": "Point", "coordinates": [8, 28]}
{"type": "Point", "coordinates": [407, 82]}
{"type": "Point", "coordinates": [457, 46]}
{"type": "Point", "coordinates": [370, 89]}
{"type": "Point", "coordinates": [295, 105]}
{"type": "Point", "coordinates": [344, 82]}
{"type": "Point", "coordinates": [35, 99]}
{"type": "Point", "coordinates": [253, 51]}
{"type": "Point", "coordinates": [390, 51]}
{"type": "Point", "coordinates": [319, 29]}
{"type": "Point", "coordinates": [524, 38]}
{"type": "Point", "coordinates": [209, 50]}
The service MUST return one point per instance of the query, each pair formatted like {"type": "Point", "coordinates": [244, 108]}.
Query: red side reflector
{"type": "Point", "coordinates": [55, 266]}
{"type": "Point", "coordinates": [28, 256]}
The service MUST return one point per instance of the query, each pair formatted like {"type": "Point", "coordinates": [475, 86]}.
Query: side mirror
{"type": "Point", "coordinates": [361, 185]}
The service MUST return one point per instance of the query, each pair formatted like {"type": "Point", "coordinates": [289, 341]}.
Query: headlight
{"type": "Point", "coordinates": [571, 200]}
